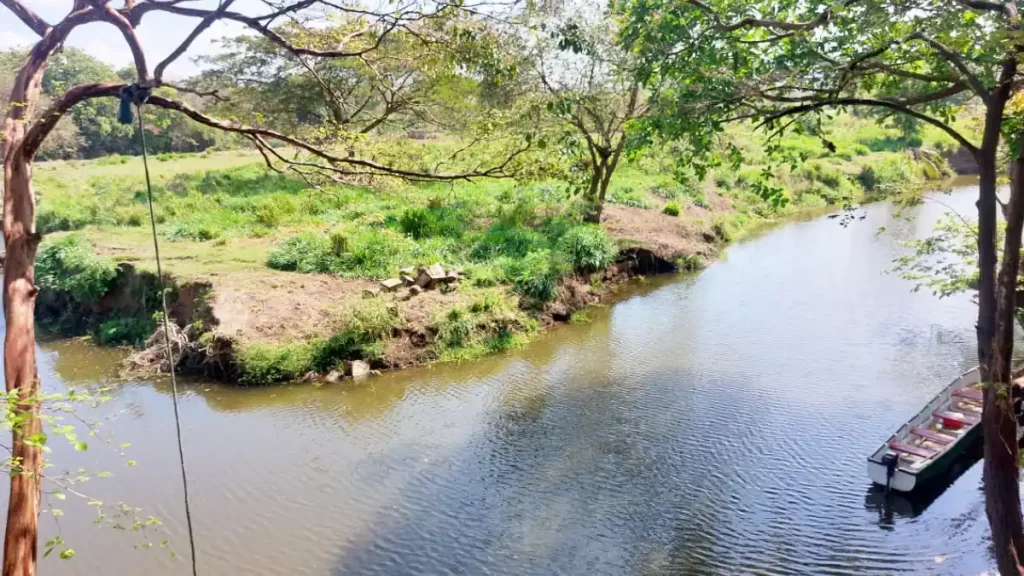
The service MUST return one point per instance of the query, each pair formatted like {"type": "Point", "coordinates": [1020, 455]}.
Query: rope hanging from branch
{"type": "Point", "coordinates": [137, 95]}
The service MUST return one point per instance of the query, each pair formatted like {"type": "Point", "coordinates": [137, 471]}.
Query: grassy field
{"type": "Point", "coordinates": [289, 264]}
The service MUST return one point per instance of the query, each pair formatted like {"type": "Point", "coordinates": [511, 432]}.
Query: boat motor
{"type": "Point", "coordinates": [890, 460]}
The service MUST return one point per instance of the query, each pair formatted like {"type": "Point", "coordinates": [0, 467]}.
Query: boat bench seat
{"type": "Point", "coordinates": [957, 417]}
{"type": "Point", "coordinates": [970, 394]}
{"type": "Point", "coordinates": [932, 435]}
{"type": "Point", "coordinates": [911, 449]}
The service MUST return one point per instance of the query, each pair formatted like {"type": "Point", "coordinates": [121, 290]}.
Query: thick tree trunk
{"type": "Point", "coordinates": [995, 338]}
{"type": "Point", "coordinates": [20, 372]}
{"type": "Point", "coordinates": [1002, 459]}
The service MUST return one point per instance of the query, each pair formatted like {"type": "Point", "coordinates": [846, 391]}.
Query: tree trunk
{"type": "Point", "coordinates": [20, 374]}
{"type": "Point", "coordinates": [1002, 459]}
{"type": "Point", "coordinates": [595, 194]}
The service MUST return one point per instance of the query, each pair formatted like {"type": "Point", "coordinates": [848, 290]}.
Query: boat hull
{"type": "Point", "coordinates": [905, 479]}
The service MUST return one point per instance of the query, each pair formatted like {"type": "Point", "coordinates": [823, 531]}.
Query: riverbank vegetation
{"type": "Point", "coordinates": [527, 256]}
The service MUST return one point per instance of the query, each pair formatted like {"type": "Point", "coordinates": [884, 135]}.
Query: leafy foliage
{"type": "Point", "coordinates": [70, 265]}
{"type": "Point", "coordinates": [588, 248]}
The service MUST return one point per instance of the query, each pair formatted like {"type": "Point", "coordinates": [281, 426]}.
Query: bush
{"type": "Point", "coordinates": [120, 331]}
{"type": "Point", "coordinates": [373, 319]}
{"type": "Point", "coordinates": [485, 275]}
{"type": "Point", "coordinates": [536, 275]}
{"type": "Point", "coordinates": [672, 209]}
{"type": "Point", "coordinates": [70, 265]}
{"type": "Point", "coordinates": [446, 221]}
{"type": "Point", "coordinates": [454, 329]}
{"type": "Point", "coordinates": [668, 189]}
{"type": "Point", "coordinates": [890, 176]}
{"type": "Point", "coordinates": [627, 196]}
{"type": "Point", "coordinates": [298, 253]}
{"type": "Point", "coordinates": [587, 248]}
{"type": "Point", "coordinates": [508, 239]}
{"type": "Point", "coordinates": [260, 365]}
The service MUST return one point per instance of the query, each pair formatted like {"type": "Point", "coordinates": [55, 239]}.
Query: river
{"type": "Point", "coordinates": [714, 424]}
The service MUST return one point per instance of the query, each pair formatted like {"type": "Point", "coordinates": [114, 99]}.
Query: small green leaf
{"type": "Point", "coordinates": [67, 554]}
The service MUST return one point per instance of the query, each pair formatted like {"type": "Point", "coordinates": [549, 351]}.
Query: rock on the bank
{"type": "Point", "coordinates": [357, 369]}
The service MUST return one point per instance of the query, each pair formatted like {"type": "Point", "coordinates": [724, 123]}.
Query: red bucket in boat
{"type": "Point", "coordinates": [951, 424]}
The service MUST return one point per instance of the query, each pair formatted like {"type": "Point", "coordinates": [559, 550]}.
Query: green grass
{"type": "Point", "coordinates": [223, 213]}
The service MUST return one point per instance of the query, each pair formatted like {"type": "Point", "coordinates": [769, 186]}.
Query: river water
{"type": "Point", "coordinates": [716, 424]}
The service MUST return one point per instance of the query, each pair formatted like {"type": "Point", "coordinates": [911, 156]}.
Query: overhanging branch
{"type": "Point", "coordinates": [895, 106]}
{"type": "Point", "coordinates": [27, 16]}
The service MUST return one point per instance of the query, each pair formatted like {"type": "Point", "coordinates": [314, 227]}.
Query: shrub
{"type": "Point", "coordinates": [672, 209]}
{"type": "Point", "coordinates": [446, 221]}
{"type": "Point", "coordinates": [454, 328]}
{"type": "Point", "coordinates": [627, 196]}
{"type": "Point", "coordinates": [667, 189]}
{"type": "Point", "coordinates": [70, 265]}
{"type": "Point", "coordinates": [536, 275]}
{"type": "Point", "coordinates": [484, 275]}
{"type": "Point", "coordinates": [373, 319]}
{"type": "Point", "coordinates": [121, 331]}
{"type": "Point", "coordinates": [889, 176]}
{"type": "Point", "coordinates": [296, 252]}
{"type": "Point", "coordinates": [375, 253]}
{"type": "Point", "coordinates": [587, 248]}
{"type": "Point", "coordinates": [260, 365]}
{"type": "Point", "coordinates": [507, 239]}
{"type": "Point", "coordinates": [700, 201]}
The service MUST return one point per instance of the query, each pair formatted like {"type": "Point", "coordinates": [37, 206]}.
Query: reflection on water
{"type": "Point", "coordinates": [717, 424]}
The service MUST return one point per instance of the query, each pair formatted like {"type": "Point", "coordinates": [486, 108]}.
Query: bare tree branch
{"type": "Point", "coordinates": [107, 13]}
{"type": "Point", "coordinates": [158, 74]}
{"type": "Point", "coordinates": [27, 16]}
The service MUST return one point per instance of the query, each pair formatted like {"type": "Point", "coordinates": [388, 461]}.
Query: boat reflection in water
{"type": "Point", "coordinates": [893, 506]}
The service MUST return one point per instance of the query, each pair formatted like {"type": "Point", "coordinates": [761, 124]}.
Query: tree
{"type": "Point", "coordinates": [401, 79]}
{"type": "Point", "coordinates": [594, 90]}
{"type": "Point", "coordinates": [778, 63]}
{"type": "Point", "coordinates": [24, 131]}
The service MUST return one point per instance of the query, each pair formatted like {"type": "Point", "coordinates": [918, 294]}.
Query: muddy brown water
{"type": "Point", "coordinates": [715, 424]}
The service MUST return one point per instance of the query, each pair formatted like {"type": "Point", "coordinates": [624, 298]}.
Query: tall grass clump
{"type": "Point", "coordinates": [587, 248]}
{"type": "Point", "coordinates": [71, 266]}
{"type": "Point", "coordinates": [536, 275]}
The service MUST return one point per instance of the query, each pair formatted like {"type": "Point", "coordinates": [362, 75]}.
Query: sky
{"type": "Point", "coordinates": [159, 34]}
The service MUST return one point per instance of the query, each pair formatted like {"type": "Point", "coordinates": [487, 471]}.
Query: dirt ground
{"type": "Point", "coordinates": [261, 305]}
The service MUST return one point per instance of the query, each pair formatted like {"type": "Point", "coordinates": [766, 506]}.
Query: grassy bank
{"type": "Point", "coordinates": [292, 270]}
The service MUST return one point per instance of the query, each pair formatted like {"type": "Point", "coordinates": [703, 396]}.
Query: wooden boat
{"type": "Point", "coordinates": [931, 442]}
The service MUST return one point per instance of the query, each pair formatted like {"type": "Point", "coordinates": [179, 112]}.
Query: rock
{"type": "Point", "coordinates": [409, 271]}
{"type": "Point", "coordinates": [391, 284]}
{"type": "Point", "coordinates": [415, 291]}
{"type": "Point", "coordinates": [333, 377]}
{"type": "Point", "coordinates": [436, 271]}
{"type": "Point", "coordinates": [357, 369]}
{"type": "Point", "coordinates": [451, 277]}
{"type": "Point", "coordinates": [371, 293]}
{"type": "Point", "coordinates": [404, 295]}
{"type": "Point", "coordinates": [424, 280]}
{"type": "Point", "coordinates": [408, 280]}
